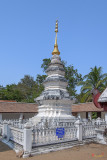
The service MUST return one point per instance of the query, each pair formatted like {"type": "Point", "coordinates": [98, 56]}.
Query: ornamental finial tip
{"type": "Point", "coordinates": [56, 27]}
{"type": "Point", "coordinates": [56, 51]}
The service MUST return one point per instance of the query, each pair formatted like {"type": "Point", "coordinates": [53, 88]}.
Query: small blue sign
{"type": "Point", "coordinates": [60, 132]}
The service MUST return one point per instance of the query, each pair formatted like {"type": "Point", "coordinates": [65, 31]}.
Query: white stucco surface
{"type": "Point", "coordinates": [103, 97]}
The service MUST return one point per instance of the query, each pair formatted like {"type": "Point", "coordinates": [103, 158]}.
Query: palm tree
{"type": "Point", "coordinates": [94, 80]}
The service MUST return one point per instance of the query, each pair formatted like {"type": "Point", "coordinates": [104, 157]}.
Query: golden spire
{"type": "Point", "coordinates": [56, 51]}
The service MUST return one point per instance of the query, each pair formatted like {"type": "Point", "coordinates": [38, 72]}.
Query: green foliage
{"type": "Point", "coordinates": [10, 92]}
{"type": "Point", "coordinates": [40, 79]}
{"type": "Point", "coordinates": [94, 115]}
{"type": "Point", "coordinates": [25, 91]}
{"type": "Point", "coordinates": [27, 86]}
{"type": "Point", "coordinates": [45, 63]}
{"type": "Point", "coordinates": [95, 79]}
{"type": "Point", "coordinates": [73, 77]}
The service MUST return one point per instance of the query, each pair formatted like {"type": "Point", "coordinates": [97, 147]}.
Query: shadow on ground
{"type": "Point", "coordinates": [4, 147]}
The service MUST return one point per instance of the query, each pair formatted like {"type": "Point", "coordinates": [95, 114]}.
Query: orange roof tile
{"type": "Point", "coordinates": [16, 107]}
{"type": "Point", "coordinates": [86, 107]}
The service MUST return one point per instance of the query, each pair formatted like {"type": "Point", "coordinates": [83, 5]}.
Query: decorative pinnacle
{"type": "Point", "coordinates": [56, 27]}
{"type": "Point", "coordinates": [56, 51]}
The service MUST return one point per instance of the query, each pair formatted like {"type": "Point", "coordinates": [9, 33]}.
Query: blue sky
{"type": "Point", "coordinates": [27, 35]}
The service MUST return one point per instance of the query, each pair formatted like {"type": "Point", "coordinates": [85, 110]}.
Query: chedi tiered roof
{"type": "Point", "coordinates": [55, 83]}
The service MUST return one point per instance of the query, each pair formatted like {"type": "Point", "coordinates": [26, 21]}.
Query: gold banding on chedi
{"type": "Point", "coordinates": [56, 51]}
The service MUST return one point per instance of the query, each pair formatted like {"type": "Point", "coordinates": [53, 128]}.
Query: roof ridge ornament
{"type": "Point", "coordinates": [56, 51]}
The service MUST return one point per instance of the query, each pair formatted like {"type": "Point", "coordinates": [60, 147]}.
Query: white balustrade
{"type": "Point", "coordinates": [88, 131]}
{"type": "Point", "coordinates": [45, 132]}
{"type": "Point", "coordinates": [16, 135]}
{"type": "Point", "coordinates": [48, 136]}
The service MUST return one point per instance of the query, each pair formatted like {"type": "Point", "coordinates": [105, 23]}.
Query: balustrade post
{"type": "Point", "coordinates": [27, 138]}
{"type": "Point", "coordinates": [78, 124]}
{"type": "Point", "coordinates": [106, 117]}
{"type": "Point", "coordinates": [79, 115]}
{"type": "Point", "coordinates": [8, 131]}
{"type": "Point", "coordinates": [5, 129]}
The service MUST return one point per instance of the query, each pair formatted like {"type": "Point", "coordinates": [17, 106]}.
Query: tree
{"type": "Point", "coordinates": [25, 91]}
{"type": "Point", "coordinates": [27, 81]}
{"type": "Point", "coordinates": [2, 93]}
{"type": "Point", "coordinates": [10, 92]}
{"type": "Point", "coordinates": [94, 80]}
{"type": "Point", "coordinates": [40, 79]}
{"type": "Point", "coordinates": [73, 77]}
{"type": "Point", "coordinates": [45, 63]}
{"type": "Point", "coordinates": [27, 86]}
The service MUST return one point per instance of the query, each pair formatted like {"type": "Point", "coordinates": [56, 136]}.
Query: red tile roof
{"type": "Point", "coordinates": [15, 107]}
{"type": "Point", "coordinates": [86, 107]}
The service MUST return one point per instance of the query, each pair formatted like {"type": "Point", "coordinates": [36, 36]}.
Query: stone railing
{"type": "Point", "coordinates": [15, 132]}
{"type": "Point", "coordinates": [49, 136]}
{"type": "Point", "coordinates": [15, 123]}
{"type": "Point", "coordinates": [49, 132]}
{"type": "Point", "coordinates": [12, 130]}
{"type": "Point", "coordinates": [16, 135]}
{"type": "Point", "coordinates": [99, 123]}
{"type": "Point", "coordinates": [88, 131]}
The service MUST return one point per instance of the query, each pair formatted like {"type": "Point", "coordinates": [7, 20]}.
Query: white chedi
{"type": "Point", "coordinates": [54, 102]}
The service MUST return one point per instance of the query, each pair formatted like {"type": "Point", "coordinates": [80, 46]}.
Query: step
{"type": "Point", "coordinates": [51, 148]}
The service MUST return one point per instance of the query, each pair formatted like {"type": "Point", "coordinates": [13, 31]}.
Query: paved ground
{"type": "Point", "coordinates": [86, 152]}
